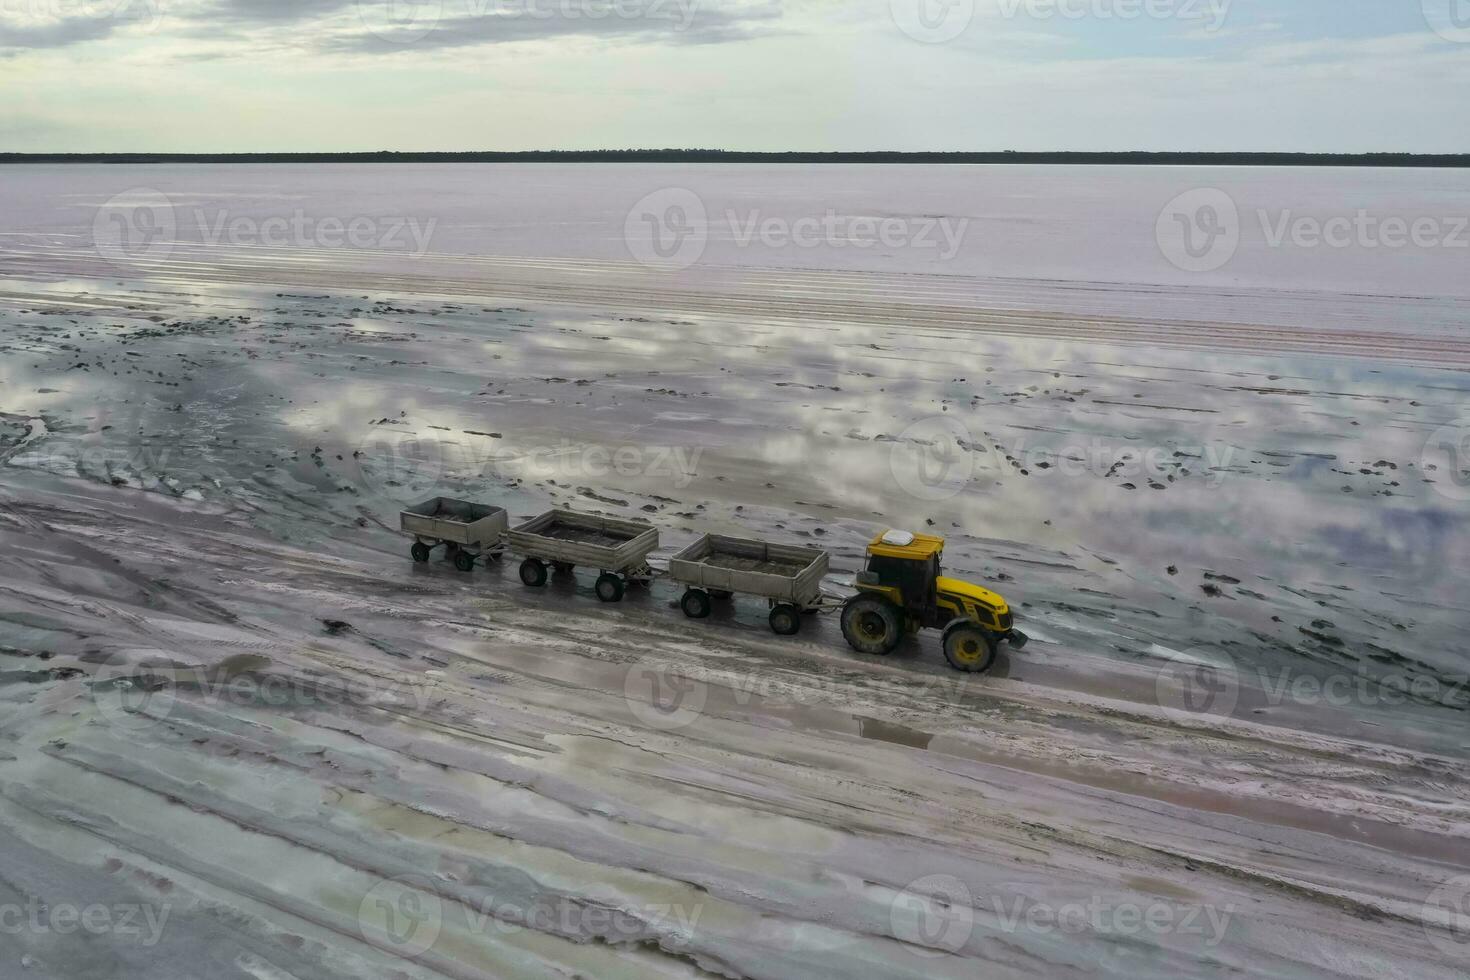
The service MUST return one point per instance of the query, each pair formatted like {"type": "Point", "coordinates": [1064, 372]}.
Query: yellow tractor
{"type": "Point", "coordinates": [902, 591]}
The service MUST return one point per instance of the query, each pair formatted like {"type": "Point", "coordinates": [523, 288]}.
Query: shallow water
{"type": "Point", "coordinates": [1272, 514]}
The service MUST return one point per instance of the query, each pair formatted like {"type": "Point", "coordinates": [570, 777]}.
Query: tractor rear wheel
{"type": "Point", "coordinates": [871, 625]}
{"type": "Point", "coordinates": [969, 648]}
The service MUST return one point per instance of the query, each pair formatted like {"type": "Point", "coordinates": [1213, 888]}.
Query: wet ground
{"type": "Point", "coordinates": [1244, 702]}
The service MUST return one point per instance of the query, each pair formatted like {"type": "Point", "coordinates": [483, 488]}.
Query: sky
{"type": "Point", "coordinates": [343, 75]}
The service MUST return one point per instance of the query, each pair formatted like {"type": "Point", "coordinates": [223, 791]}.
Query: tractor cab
{"type": "Point", "coordinates": [904, 568]}
{"type": "Point", "coordinates": [903, 590]}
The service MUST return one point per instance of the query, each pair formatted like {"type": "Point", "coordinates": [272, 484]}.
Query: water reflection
{"type": "Point", "coordinates": [1121, 498]}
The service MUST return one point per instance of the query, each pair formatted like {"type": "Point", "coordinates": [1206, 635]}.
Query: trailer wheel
{"type": "Point", "coordinates": [969, 648]}
{"type": "Point", "coordinates": [533, 573]}
{"type": "Point", "coordinates": [420, 552]}
{"type": "Point", "coordinates": [696, 604]}
{"type": "Point", "coordinates": [786, 620]}
{"type": "Point", "coordinates": [464, 561]}
{"type": "Point", "coordinates": [610, 587]}
{"type": "Point", "coordinates": [871, 625]}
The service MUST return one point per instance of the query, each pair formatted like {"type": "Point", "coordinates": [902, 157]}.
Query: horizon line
{"type": "Point", "coordinates": [1230, 157]}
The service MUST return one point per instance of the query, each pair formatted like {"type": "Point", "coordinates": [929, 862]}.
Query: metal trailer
{"type": "Point", "coordinates": [467, 531]}
{"type": "Point", "coordinates": [787, 576]}
{"type": "Point", "coordinates": [564, 539]}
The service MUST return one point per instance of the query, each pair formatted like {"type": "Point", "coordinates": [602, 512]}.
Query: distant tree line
{"type": "Point", "coordinates": [1137, 157]}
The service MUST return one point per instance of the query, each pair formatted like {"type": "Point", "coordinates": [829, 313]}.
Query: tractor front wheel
{"type": "Point", "coordinates": [871, 625]}
{"type": "Point", "coordinates": [969, 648]}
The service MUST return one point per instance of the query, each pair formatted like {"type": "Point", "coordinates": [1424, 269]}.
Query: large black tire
{"type": "Point", "coordinates": [464, 561]}
{"type": "Point", "coordinates": [696, 604]}
{"type": "Point", "coordinates": [969, 648]}
{"type": "Point", "coordinates": [871, 625]}
{"type": "Point", "coordinates": [610, 587]}
{"type": "Point", "coordinates": [420, 552]}
{"type": "Point", "coordinates": [533, 573]}
{"type": "Point", "coordinates": [785, 620]}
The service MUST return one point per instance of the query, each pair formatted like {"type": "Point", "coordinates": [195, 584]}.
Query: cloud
{"type": "Point", "coordinates": [393, 25]}
{"type": "Point", "coordinates": [285, 11]}
{"type": "Point", "coordinates": [56, 33]}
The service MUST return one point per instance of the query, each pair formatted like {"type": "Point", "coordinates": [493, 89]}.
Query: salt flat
{"type": "Point", "coordinates": [350, 765]}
